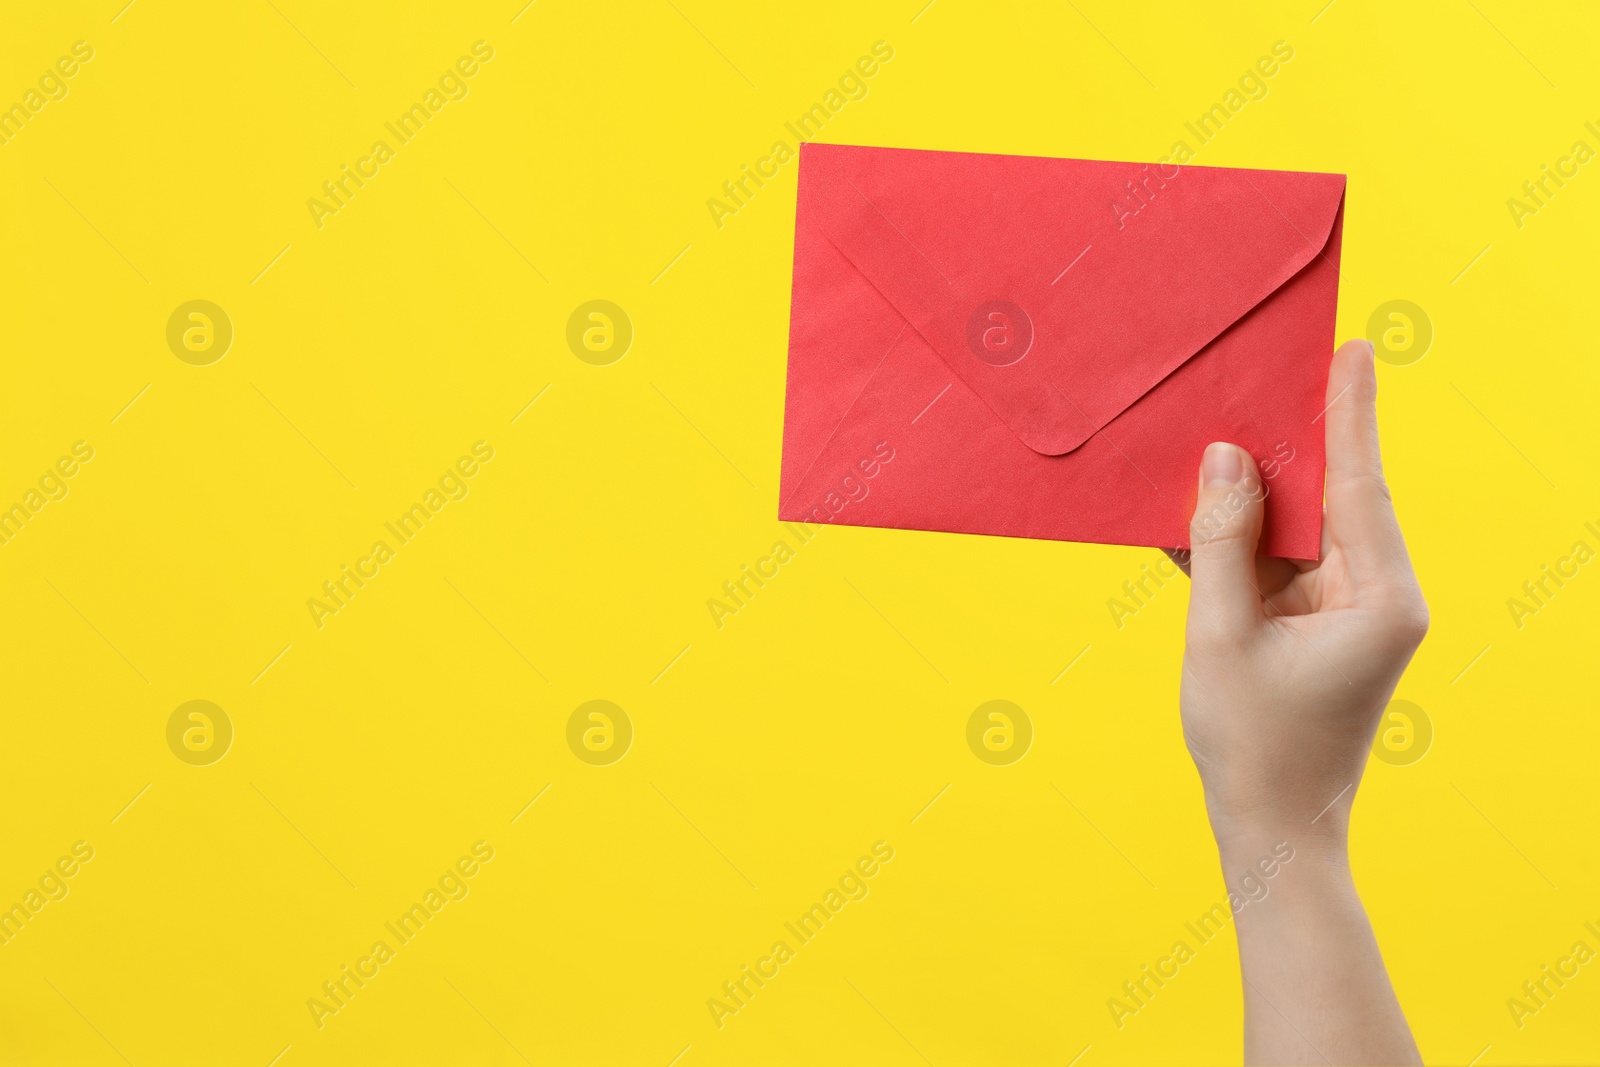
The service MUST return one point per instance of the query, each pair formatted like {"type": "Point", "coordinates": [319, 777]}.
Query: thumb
{"type": "Point", "coordinates": [1223, 537]}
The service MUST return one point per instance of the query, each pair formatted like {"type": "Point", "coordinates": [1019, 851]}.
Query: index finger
{"type": "Point", "coordinates": [1360, 513]}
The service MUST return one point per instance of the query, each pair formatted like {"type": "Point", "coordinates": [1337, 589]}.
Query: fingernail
{"type": "Point", "coordinates": [1221, 465]}
{"type": "Point", "coordinates": [1372, 349]}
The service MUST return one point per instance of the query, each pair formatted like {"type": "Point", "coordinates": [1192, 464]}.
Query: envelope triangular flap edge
{"type": "Point", "coordinates": [940, 234]}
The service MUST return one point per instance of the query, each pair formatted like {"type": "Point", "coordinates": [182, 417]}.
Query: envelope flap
{"type": "Point", "coordinates": [1063, 290]}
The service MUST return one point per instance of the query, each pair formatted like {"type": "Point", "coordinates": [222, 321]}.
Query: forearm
{"type": "Point", "coordinates": [1315, 988]}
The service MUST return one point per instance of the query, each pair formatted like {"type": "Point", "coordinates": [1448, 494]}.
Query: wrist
{"type": "Point", "coordinates": [1245, 829]}
{"type": "Point", "coordinates": [1275, 875]}
{"type": "Point", "coordinates": [1244, 842]}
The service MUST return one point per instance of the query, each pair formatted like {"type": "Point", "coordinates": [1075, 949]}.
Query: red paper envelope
{"type": "Point", "coordinates": [1043, 348]}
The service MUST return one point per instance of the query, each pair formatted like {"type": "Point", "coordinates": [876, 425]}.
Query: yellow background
{"type": "Point", "coordinates": [426, 715]}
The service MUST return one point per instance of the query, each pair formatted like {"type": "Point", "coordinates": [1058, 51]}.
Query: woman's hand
{"type": "Point", "coordinates": [1287, 670]}
{"type": "Point", "coordinates": [1288, 665]}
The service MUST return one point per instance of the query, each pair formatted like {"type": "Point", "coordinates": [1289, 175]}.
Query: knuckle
{"type": "Point", "coordinates": [1214, 526]}
{"type": "Point", "coordinates": [1214, 542]}
{"type": "Point", "coordinates": [1406, 616]}
{"type": "Point", "coordinates": [1417, 619]}
{"type": "Point", "coordinates": [1371, 480]}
